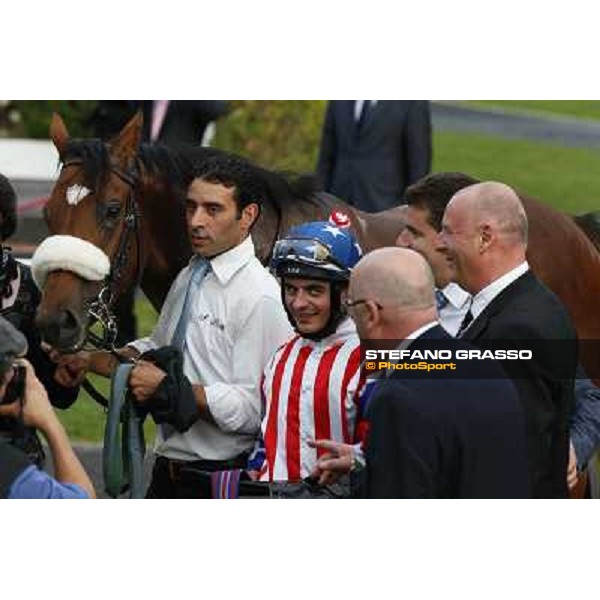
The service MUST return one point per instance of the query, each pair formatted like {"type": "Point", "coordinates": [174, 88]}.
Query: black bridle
{"type": "Point", "coordinates": [99, 308]}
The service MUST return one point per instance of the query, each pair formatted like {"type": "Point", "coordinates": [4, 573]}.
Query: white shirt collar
{"type": "Point", "coordinates": [358, 104]}
{"type": "Point", "coordinates": [227, 264]}
{"type": "Point", "coordinates": [489, 292]}
{"type": "Point", "coordinates": [456, 295]}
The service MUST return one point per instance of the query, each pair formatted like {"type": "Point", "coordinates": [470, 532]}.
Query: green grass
{"type": "Point", "coordinates": [85, 420]}
{"type": "Point", "coordinates": [583, 109]}
{"type": "Point", "coordinates": [566, 178]}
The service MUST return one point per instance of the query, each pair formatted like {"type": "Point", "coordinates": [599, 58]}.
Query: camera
{"type": "Point", "coordinates": [16, 388]}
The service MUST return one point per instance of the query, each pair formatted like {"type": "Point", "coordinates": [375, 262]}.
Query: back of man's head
{"type": "Point", "coordinates": [400, 281]}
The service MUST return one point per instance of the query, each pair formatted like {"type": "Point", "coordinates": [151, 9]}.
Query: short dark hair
{"type": "Point", "coordinates": [8, 208]}
{"type": "Point", "coordinates": [433, 192]}
{"type": "Point", "coordinates": [231, 170]}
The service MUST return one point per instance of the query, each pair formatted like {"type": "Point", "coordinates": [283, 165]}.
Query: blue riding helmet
{"type": "Point", "coordinates": [316, 250]}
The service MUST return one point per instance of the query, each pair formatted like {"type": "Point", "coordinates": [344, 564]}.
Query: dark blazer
{"type": "Point", "coordinates": [372, 167]}
{"type": "Point", "coordinates": [527, 314]}
{"type": "Point", "coordinates": [446, 437]}
{"type": "Point", "coordinates": [185, 121]}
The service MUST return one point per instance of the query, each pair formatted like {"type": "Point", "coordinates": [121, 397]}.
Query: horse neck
{"type": "Point", "coordinates": [373, 230]}
{"type": "Point", "coordinates": [377, 230]}
{"type": "Point", "coordinates": [164, 237]}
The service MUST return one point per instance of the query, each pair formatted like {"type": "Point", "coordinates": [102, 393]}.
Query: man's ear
{"type": "Point", "coordinates": [486, 236]}
{"type": "Point", "coordinates": [250, 214]}
{"type": "Point", "coordinates": [373, 313]}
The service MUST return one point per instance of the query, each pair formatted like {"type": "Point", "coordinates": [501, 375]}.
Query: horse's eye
{"type": "Point", "coordinates": [112, 210]}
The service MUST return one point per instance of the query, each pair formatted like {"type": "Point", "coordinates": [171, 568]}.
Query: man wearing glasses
{"type": "Point", "coordinates": [311, 384]}
{"type": "Point", "coordinates": [432, 435]}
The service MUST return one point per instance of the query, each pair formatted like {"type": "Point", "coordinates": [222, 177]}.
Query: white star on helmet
{"type": "Point", "coordinates": [333, 230]}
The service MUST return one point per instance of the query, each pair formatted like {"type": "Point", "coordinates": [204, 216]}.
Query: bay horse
{"type": "Point", "coordinates": [126, 200]}
{"type": "Point", "coordinates": [133, 212]}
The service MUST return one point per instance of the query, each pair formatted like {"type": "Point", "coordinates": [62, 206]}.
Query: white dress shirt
{"type": "Point", "coordinates": [237, 322]}
{"type": "Point", "coordinates": [358, 104]}
{"type": "Point", "coordinates": [452, 315]}
{"type": "Point", "coordinates": [488, 293]}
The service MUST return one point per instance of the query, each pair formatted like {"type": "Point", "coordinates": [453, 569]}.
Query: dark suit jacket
{"type": "Point", "coordinates": [185, 121]}
{"type": "Point", "coordinates": [525, 314]}
{"type": "Point", "coordinates": [446, 437]}
{"type": "Point", "coordinates": [372, 168]}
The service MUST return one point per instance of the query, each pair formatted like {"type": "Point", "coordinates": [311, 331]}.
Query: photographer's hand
{"type": "Point", "coordinates": [38, 412]}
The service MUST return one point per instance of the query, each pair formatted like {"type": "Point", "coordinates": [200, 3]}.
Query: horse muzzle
{"type": "Point", "coordinates": [63, 330]}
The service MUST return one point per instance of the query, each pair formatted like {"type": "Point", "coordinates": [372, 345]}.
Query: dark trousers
{"type": "Point", "coordinates": [177, 479]}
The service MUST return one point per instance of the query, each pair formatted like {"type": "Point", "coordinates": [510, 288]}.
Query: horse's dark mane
{"type": "Point", "coordinates": [287, 188]}
{"type": "Point", "coordinates": [181, 164]}
{"type": "Point", "coordinates": [171, 164]}
{"type": "Point", "coordinates": [176, 166]}
{"type": "Point", "coordinates": [94, 155]}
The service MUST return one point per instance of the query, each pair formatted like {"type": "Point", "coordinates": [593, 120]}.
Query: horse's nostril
{"type": "Point", "coordinates": [60, 330]}
{"type": "Point", "coordinates": [68, 321]}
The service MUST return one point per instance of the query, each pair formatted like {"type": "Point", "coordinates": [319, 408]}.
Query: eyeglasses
{"type": "Point", "coordinates": [349, 303]}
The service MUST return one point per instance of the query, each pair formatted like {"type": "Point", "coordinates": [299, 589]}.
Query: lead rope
{"type": "Point", "coordinates": [124, 445]}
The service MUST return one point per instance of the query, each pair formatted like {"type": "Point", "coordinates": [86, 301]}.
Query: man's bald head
{"type": "Point", "coordinates": [484, 231]}
{"type": "Point", "coordinates": [394, 277]}
{"type": "Point", "coordinates": [395, 288]}
{"type": "Point", "coordinates": [495, 203]}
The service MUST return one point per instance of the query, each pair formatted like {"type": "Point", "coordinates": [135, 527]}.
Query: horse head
{"type": "Point", "coordinates": [94, 251]}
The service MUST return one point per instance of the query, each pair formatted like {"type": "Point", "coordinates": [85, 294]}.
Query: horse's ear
{"type": "Point", "coordinates": [125, 145]}
{"type": "Point", "coordinates": [59, 133]}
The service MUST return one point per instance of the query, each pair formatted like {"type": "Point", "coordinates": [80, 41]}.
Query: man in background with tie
{"type": "Point", "coordinates": [224, 313]}
{"type": "Point", "coordinates": [372, 149]}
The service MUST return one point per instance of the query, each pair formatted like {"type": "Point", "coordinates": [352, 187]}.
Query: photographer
{"type": "Point", "coordinates": [19, 298]}
{"type": "Point", "coordinates": [24, 400]}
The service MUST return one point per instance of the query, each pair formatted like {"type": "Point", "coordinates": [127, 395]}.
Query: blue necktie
{"type": "Point", "coordinates": [199, 268]}
{"type": "Point", "coordinates": [441, 299]}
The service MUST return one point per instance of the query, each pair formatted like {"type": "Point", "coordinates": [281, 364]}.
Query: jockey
{"type": "Point", "coordinates": [19, 298]}
{"type": "Point", "coordinates": [311, 384]}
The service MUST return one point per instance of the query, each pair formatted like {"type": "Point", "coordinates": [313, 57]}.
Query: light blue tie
{"type": "Point", "coordinates": [199, 268]}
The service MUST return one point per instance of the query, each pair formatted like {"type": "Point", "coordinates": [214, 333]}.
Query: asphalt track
{"type": "Point", "coordinates": [446, 116]}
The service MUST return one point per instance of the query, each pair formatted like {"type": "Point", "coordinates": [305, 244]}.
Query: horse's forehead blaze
{"type": "Point", "coordinates": [76, 193]}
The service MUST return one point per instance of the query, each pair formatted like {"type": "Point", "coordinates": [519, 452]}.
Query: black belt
{"type": "Point", "coordinates": [187, 472]}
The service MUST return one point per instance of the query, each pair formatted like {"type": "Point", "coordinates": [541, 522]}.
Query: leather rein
{"type": "Point", "coordinates": [99, 308]}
